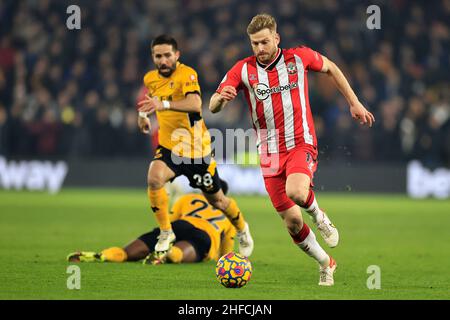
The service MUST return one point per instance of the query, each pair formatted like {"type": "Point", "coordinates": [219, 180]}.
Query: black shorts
{"type": "Point", "coordinates": [184, 231]}
{"type": "Point", "coordinates": [200, 173]}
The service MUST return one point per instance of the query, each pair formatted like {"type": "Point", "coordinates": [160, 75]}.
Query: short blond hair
{"type": "Point", "coordinates": [260, 22]}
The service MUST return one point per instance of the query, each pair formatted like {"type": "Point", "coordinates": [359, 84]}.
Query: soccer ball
{"type": "Point", "coordinates": [233, 270]}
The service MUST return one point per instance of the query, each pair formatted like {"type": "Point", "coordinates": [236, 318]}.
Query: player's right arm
{"type": "Point", "coordinates": [227, 89]}
{"type": "Point", "coordinates": [190, 88]}
{"type": "Point", "coordinates": [219, 100]}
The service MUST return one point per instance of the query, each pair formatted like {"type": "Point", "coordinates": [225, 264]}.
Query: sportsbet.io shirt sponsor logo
{"type": "Point", "coordinates": [262, 91]}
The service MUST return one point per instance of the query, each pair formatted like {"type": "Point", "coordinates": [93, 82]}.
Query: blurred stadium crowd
{"type": "Point", "coordinates": [72, 93]}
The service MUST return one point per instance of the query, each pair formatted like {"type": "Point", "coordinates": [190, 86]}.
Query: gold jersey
{"type": "Point", "coordinates": [195, 209]}
{"type": "Point", "coordinates": [185, 134]}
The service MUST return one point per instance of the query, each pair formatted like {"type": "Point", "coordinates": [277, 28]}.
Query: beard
{"type": "Point", "coordinates": [168, 70]}
{"type": "Point", "coordinates": [266, 58]}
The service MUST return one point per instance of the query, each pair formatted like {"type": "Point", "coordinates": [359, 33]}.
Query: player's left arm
{"type": "Point", "coordinates": [357, 110]}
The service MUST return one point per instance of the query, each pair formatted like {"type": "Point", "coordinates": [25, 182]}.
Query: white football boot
{"type": "Point", "coordinates": [326, 274]}
{"type": "Point", "coordinates": [245, 241]}
{"type": "Point", "coordinates": [165, 240]}
{"type": "Point", "coordinates": [328, 231]}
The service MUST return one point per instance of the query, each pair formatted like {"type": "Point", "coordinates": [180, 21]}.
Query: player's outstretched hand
{"type": "Point", "coordinates": [361, 114]}
{"type": "Point", "coordinates": [228, 93]}
{"type": "Point", "coordinates": [150, 105]}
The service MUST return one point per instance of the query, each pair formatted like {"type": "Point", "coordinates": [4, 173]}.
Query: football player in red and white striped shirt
{"type": "Point", "coordinates": [275, 86]}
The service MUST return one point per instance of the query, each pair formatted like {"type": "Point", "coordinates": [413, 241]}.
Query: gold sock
{"type": "Point", "coordinates": [114, 254]}
{"type": "Point", "coordinates": [235, 215]}
{"type": "Point", "coordinates": [175, 255]}
{"type": "Point", "coordinates": [159, 201]}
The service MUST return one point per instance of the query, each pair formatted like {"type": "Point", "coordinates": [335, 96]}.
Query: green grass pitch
{"type": "Point", "coordinates": [408, 239]}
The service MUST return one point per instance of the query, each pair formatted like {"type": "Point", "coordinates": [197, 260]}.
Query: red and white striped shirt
{"type": "Point", "coordinates": [277, 96]}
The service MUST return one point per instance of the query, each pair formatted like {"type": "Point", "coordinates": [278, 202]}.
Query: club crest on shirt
{"type": "Point", "coordinates": [291, 68]}
{"type": "Point", "coordinates": [252, 77]}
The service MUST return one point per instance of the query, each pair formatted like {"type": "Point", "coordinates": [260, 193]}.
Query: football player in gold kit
{"type": "Point", "coordinates": [184, 142]}
{"type": "Point", "coordinates": [203, 233]}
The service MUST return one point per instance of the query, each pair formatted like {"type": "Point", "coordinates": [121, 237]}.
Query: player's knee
{"type": "Point", "coordinates": [155, 182]}
{"type": "Point", "coordinates": [219, 203]}
{"type": "Point", "coordinates": [296, 194]}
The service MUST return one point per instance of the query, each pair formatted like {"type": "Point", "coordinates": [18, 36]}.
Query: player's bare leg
{"type": "Point", "coordinates": [137, 250]}
{"type": "Point", "coordinates": [305, 239]}
{"type": "Point", "coordinates": [230, 208]}
{"type": "Point", "coordinates": [298, 190]}
{"type": "Point", "coordinates": [158, 174]}
{"type": "Point", "coordinates": [180, 252]}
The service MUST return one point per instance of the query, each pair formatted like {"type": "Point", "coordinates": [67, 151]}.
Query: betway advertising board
{"type": "Point", "coordinates": [50, 176]}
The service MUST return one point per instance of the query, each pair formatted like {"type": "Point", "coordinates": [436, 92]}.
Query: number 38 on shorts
{"type": "Point", "coordinates": [201, 173]}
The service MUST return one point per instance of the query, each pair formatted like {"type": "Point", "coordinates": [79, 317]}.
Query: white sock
{"type": "Point", "coordinates": [313, 249]}
{"type": "Point", "coordinates": [314, 211]}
